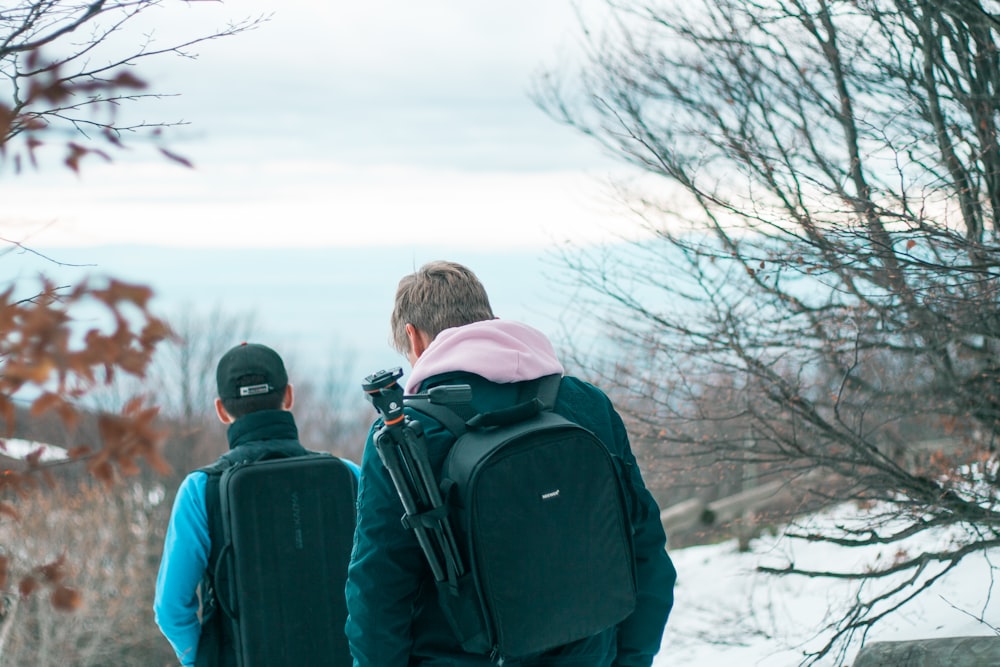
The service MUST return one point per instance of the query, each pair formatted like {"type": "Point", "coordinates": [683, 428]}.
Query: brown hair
{"type": "Point", "coordinates": [438, 296]}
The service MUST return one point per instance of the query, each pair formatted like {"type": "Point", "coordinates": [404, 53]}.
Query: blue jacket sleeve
{"type": "Point", "coordinates": [185, 557]}
{"type": "Point", "coordinates": [355, 468]}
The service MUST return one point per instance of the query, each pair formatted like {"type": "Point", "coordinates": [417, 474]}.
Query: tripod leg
{"type": "Point", "coordinates": [414, 451]}
{"type": "Point", "coordinates": [389, 452]}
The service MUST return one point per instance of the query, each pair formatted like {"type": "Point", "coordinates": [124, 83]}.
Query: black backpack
{"type": "Point", "coordinates": [282, 534]}
{"type": "Point", "coordinates": [539, 512]}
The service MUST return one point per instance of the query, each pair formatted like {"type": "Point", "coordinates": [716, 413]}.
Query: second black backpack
{"type": "Point", "coordinates": [539, 511]}
{"type": "Point", "coordinates": [277, 590]}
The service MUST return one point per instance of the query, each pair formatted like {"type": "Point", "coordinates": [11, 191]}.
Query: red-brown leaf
{"type": "Point", "coordinates": [6, 509]}
{"type": "Point", "coordinates": [130, 292]}
{"type": "Point", "coordinates": [27, 586]}
{"type": "Point", "coordinates": [177, 158]}
{"type": "Point", "coordinates": [79, 452]}
{"type": "Point", "coordinates": [8, 414]}
{"type": "Point", "coordinates": [54, 571]}
{"type": "Point", "coordinates": [64, 598]}
{"type": "Point", "coordinates": [44, 403]}
{"type": "Point", "coordinates": [103, 472]}
{"type": "Point", "coordinates": [126, 79]}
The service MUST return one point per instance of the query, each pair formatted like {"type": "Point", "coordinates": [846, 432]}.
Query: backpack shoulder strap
{"type": "Point", "coordinates": [213, 506]}
{"type": "Point", "coordinates": [446, 415]}
{"type": "Point", "coordinates": [533, 397]}
{"type": "Point", "coordinates": [215, 626]}
{"type": "Point", "coordinates": [544, 390]}
{"type": "Point", "coordinates": [547, 389]}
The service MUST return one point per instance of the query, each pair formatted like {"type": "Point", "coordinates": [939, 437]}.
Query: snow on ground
{"type": "Point", "coordinates": [728, 615]}
{"type": "Point", "coordinates": [16, 448]}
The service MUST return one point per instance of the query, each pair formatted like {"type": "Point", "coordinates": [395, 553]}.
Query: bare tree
{"type": "Point", "coordinates": [331, 413]}
{"type": "Point", "coordinates": [187, 365]}
{"type": "Point", "coordinates": [817, 289]}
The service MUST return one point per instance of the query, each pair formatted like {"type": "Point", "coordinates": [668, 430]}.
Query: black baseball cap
{"type": "Point", "coordinates": [250, 369]}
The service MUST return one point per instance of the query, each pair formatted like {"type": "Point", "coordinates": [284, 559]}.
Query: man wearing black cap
{"type": "Point", "coordinates": [255, 401]}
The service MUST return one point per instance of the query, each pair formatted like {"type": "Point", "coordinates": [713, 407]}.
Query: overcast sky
{"type": "Point", "coordinates": [341, 124]}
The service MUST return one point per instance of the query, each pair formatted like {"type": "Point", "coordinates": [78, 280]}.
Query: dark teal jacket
{"type": "Point", "coordinates": [394, 618]}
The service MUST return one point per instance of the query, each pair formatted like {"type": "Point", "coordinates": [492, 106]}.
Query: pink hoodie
{"type": "Point", "coordinates": [501, 351]}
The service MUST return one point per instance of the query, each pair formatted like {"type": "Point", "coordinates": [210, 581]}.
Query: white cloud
{"type": "Point", "coordinates": [307, 203]}
{"type": "Point", "coordinates": [337, 123]}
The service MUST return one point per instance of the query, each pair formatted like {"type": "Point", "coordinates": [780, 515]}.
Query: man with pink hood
{"type": "Point", "coordinates": [443, 323]}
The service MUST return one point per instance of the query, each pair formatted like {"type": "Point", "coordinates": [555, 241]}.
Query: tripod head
{"type": "Point", "coordinates": [383, 391]}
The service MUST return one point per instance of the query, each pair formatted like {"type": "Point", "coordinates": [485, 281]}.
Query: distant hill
{"type": "Point", "coordinates": [311, 303]}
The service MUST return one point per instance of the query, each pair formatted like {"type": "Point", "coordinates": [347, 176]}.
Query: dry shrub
{"type": "Point", "coordinates": [101, 549]}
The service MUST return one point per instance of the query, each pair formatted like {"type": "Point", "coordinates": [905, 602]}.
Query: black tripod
{"type": "Point", "coordinates": [400, 445]}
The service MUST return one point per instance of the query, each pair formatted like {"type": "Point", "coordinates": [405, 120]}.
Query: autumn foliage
{"type": "Point", "coordinates": [66, 75]}
{"type": "Point", "coordinates": [49, 361]}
